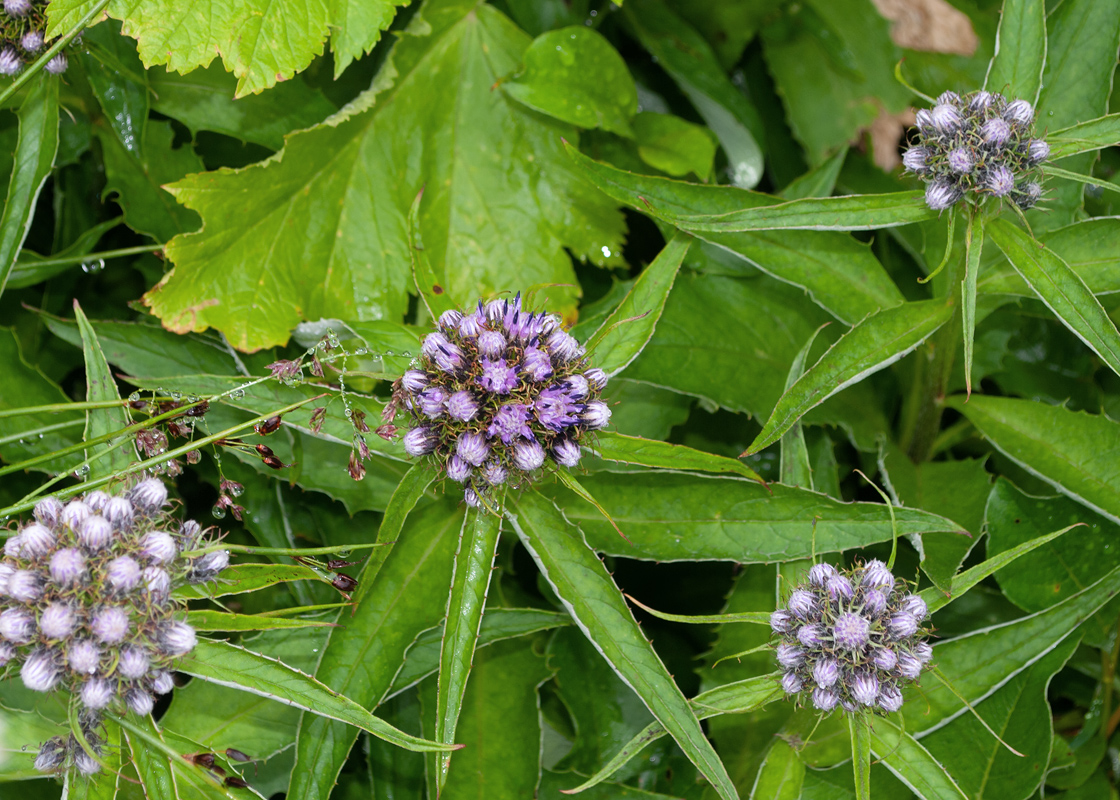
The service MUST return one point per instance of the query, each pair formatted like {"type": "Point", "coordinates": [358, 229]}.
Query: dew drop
{"type": "Point", "coordinates": [218, 512]}
{"type": "Point", "coordinates": [237, 393]}
{"type": "Point", "coordinates": [237, 490]}
{"type": "Point", "coordinates": [134, 397]}
{"type": "Point", "coordinates": [94, 266]}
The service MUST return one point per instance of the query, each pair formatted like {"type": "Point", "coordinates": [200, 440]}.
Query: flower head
{"type": "Point", "coordinates": [852, 647]}
{"type": "Point", "coordinates": [497, 392]}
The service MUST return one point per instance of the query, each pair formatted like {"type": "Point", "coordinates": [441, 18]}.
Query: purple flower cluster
{"type": "Point", "coordinates": [22, 23]}
{"type": "Point", "coordinates": [851, 638]}
{"type": "Point", "coordinates": [496, 392]}
{"type": "Point", "coordinates": [86, 603]}
{"type": "Point", "coordinates": [979, 145]}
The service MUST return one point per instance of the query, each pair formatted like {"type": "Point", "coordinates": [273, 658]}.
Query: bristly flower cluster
{"type": "Point", "coordinates": [22, 26]}
{"type": "Point", "coordinates": [496, 392]}
{"type": "Point", "coordinates": [86, 604]}
{"type": "Point", "coordinates": [851, 638]}
{"type": "Point", "coordinates": [979, 145]}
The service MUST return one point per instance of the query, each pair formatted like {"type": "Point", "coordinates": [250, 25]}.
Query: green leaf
{"type": "Point", "coordinates": [575, 75]}
{"type": "Point", "coordinates": [470, 581]}
{"type": "Point", "coordinates": [242, 578]}
{"type": "Point", "coordinates": [108, 458]}
{"type": "Point", "coordinates": [794, 464]}
{"type": "Point", "coordinates": [1069, 450]}
{"type": "Point", "coordinates": [673, 145]}
{"type": "Point", "coordinates": [203, 101]}
{"type": "Point", "coordinates": [581, 581]}
{"type": "Point", "coordinates": [974, 246]}
{"type": "Point", "coordinates": [1089, 247]}
{"type": "Point", "coordinates": [1061, 289]}
{"type": "Point", "coordinates": [1054, 571]}
{"type": "Point", "coordinates": [152, 768]}
{"type": "Point", "coordinates": [498, 624]}
{"type": "Point", "coordinates": [1084, 36]}
{"type": "Point", "coordinates": [752, 525]}
{"type": "Point", "coordinates": [325, 219]}
{"type": "Point", "coordinates": [361, 658]}
{"type": "Point", "coordinates": [855, 212]}
{"type": "Point", "coordinates": [690, 62]}
{"type": "Point", "coordinates": [1085, 137]}
{"type": "Point", "coordinates": [106, 783]}
{"type": "Point", "coordinates": [859, 726]}
{"type": "Point", "coordinates": [262, 43]}
{"type": "Point", "coordinates": [820, 181]}
{"type": "Point", "coordinates": [230, 665]}
{"type": "Point", "coordinates": [34, 158]}
{"type": "Point", "coordinates": [627, 329]}
{"type": "Point", "coordinates": [781, 775]}
{"type": "Point", "coordinates": [611, 446]}
{"type": "Point", "coordinates": [870, 346]}
{"type": "Point", "coordinates": [138, 177]}
{"type": "Point", "coordinates": [209, 620]}
{"type": "Point", "coordinates": [29, 270]}
{"type": "Point", "coordinates": [1020, 57]}
{"type": "Point", "coordinates": [909, 761]}
{"type": "Point", "coordinates": [500, 720]}
{"type": "Point", "coordinates": [428, 284]}
{"type": "Point", "coordinates": [839, 273]}
{"type": "Point", "coordinates": [119, 83]}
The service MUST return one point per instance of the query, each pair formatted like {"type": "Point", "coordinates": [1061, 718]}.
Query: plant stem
{"type": "Point", "coordinates": [104, 256]}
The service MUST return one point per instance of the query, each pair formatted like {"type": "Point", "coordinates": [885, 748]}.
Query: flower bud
{"type": "Point", "coordinates": [414, 381]}
{"type": "Point", "coordinates": [1019, 112]}
{"type": "Point", "coordinates": [597, 415]}
{"type": "Point", "coordinates": [190, 534]}
{"type": "Point", "coordinates": [67, 566]}
{"type": "Point", "coordinates": [38, 540]}
{"type": "Point", "coordinates": [597, 378]}
{"type": "Point", "coordinates": [944, 119]}
{"type": "Point", "coordinates": [913, 604]}
{"type": "Point", "coordinates": [563, 345]}
{"type": "Point", "coordinates": [74, 514]}
{"type": "Point", "coordinates": [177, 638]}
{"type": "Point", "coordinates": [851, 631]}
{"type": "Point", "coordinates": [865, 689]}
{"type": "Point", "coordinates": [941, 195]}
{"type": "Point", "coordinates": [825, 699]}
{"type": "Point", "coordinates": [13, 547]}
{"type": "Point", "coordinates": [820, 573]}
{"type": "Point", "coordinates": [802, 604]}
{"type": "Point", "coordinates": [57, 621]}
{"type": "Point", "coordinates": [791, 683]}
{"type": "Point", "coordinates": [840, 588]}
{"type": "Point", "coordinates": [536, 364]}
{"type": "Point", "coordinates": [960, 161]}
{"type": "Point", "coordinates": [462, 406]}
{"type": "Point", "coordinates": [578, 387]}
{"type": "Point", "coordinates": [133, 663]}
{"type": "Point", "coordinates": [999, 181]}
{"type": "Point", "coordinates": [779, 621]}
{"type": "Point", "coordinates": [148, 496]}
{"type": "Point", "coordinates": [885, 659]}
{"type": "Point", "coordinates": [123, 573]}
{"type": "Point", "coordinates": [458, 470]}
{"type": "Point", "coordinates": [876, 575]}
{"type": "Point", "coordinates": [528, 456]}
{"type": "Point", "coordinates": [158, 547]}
{"type": "Point", "coordinates": [17, 625]}
{"type": "Point", "coordinates": [25, 586]}
{"type": "Point", "coordinates": [432, 402]}
{"type": "Point", "coordinates": [156, 581]}
{"type": "Point", "coordinates": [890, 699]}
{"type": "Point", "coordinates": [902, 625]}
{"type": "Point", "coordinates": [39, 672]}
{"type": "Point", "coordinates": [566, 453]}
{"type": "Point", "coordinates": [84, 657]}
{"type": "Point", "coordinates": [32, 42]}
{"type": "Point", "coordinates": [17, 8]}
{"type": "Point", "coordinates": [109, 624]}
{"type": "Point", "coordinates": [491, 343]}
{"type": "Point", "coordinates": [1028, 194]}
{"type": "Point", "coordinates": [10, 62]}
{"type": "Point", "coordinates": [85, 763]}
{"type": "Point", "coordinates": [139, 702]}
{"type": "Point", "coordinates": [790, 656]}
{"type": "Point", "coordinates": [497, 376]}
{"type": "Point", "coordinates": [449, 319]}
{"type": "Point", "coordinates": [95, 534]}
{"type": "Point", "coordinates": [810, 635]}
{"type": "Point", "coordinates": [162, 682]}
{"type": "Point", "coordinates": [210, 564]}
{"type": "Point", "coordinates": [96, 693]}
{"type": "Point", "coordinates": [52, 755]}
{"type": "Point", "coordinates": [1037, 151]}
{"type": "Point", "coordinates": [470, 497]}
{"type": "Point", "coordinates": [874, 602]}
{"type": "Point", "coordinates": [471, 447]}
{"type": "Point", "coordinates": [96, 500]}
{"type": "Point", "coordinates": [826, 673]}
{"type": "Point", "coordinates": [7, 653]}
{"type": "Point", "coordinates": [420, 441]}
{"type": "Point", "coordinates": [908, 666]}
{"type": "Point", "coordinates": [923, 652]}
{"type": "Point", "coordinates": [471, 325]}
{"type": "Point", "coordinates": [48, 510]}
{"type": "Point", "coordinates": [119, 512]}
{"type": "Point", "coordinates": [981, 101]}
{"type": "Point", "coordinates": [995, 132]}
{"type": "Point", "coordinates": [949, 98]}
{"type": "Point", "coordinates": [494, 474]}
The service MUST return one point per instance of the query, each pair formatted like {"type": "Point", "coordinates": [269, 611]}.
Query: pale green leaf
{"type": "Point", "coordinates": [110, 457]}
{"type": "Point", "coordinates": [673, 145]}
{"type": "Point", "coordinates": [1085, 137]}
{"type": "Point", "coordinates": [611, 446]}
{"type": "Point", "coordinates": [781, 775]}
{"type": "Point", "coordinates": [859, 726]}
{"type": "Point", "coordinates": [1016, 67]}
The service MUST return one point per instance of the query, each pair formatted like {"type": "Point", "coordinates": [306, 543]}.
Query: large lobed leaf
{"type": "Point", "coordinates": [320, 230]}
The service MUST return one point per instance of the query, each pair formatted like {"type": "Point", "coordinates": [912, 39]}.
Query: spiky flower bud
{"type": "Point", "coordinates": [977, 146]}
{"type": "Point", "coordinates": [86, 606]}
{"type": "Point", "coordinates": [497, 392]}
{"type": "Point", "coordinates": [32, 41]}
{"type": "Point", "coordinates": [58, 64]}
{"type": "Point", "coordinates": [851, 648]}
{"type": "Point", "coordinates": [17, 8]}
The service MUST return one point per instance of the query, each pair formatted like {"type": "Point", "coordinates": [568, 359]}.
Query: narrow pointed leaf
{"type": "Point", "coordinates": [611, 446]}
{"type": "Point", "coordinates": [781, 775]}
{"type": "Point", "coordinates": [470, 581]}
{"type": "Point", "coordinates": [1016, 67]}
{"type": "Point", "coordinates": [974, 244]}
{"type": "Point", "coordinates": [839, 273]}
{"type": "Point", "coordinates": [733, 698]}
{"type": "Point", "coordinates": [629, 327]}
{"type": "Point", "coordinates": [205, 619]}
{"type": "Point", "coordinates": [1085, 137]}
{"type": "Point", "coordinates": [585, 587]}
{"type": "Point", "coordinates": [875, 343]}
{"type": "Point", "coordinates": [856, 212]}
{"type": "Point", "coordinates": [34, 158]}
{"type": "Point", "coordinates": [859, 725]}
{"type": "Point", "coordinates": [230, 665]}
{"type": "Point", "coordinates": [101, 387]}
{"type": "Point", "coordinates": [242, 578]}
{"type": "Point", "coordinates": [911, 763]}
{"type": "Point", "coordinates": [106, 783]}
{"type": "Point", "coordinates": [1071, 450]}
{"type": "Point", "coordinates": [152, 768]}
{"type": "Point", "coordinates": [794, 464]}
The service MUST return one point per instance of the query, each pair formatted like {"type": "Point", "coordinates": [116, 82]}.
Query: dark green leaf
{"type": "Point", "coordinates": [974, 246]}
{"type": "Point", "coordinates": [859, 725]}
{"type": "Point", "coordinates": [111, 457]}
{"type": "Point", "coordinates": [242, 578]}
{"type": "Point", "coordinates": [645, 452]}
{"type": "Point", "coordinates": [1085, 137]}
{"type": "Point", "coordinates": [209, 620]}
{"type": "Point", "coordinates": [1089, 248]}
{"type": "Point", "coordinates": [1016, 68]}
{"type": "Point", "coordinates": [781, 775]}
{"type": "Point", "coordinates": [910, 762]}
{"type": "Point", "coordinates": [673, 145]}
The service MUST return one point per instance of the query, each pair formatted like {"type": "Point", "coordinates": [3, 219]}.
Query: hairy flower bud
{"type": "Point", "coordinates": [38, 540]}
{"type": "Point", "coordinates": [48, 511]}
{"type": "Point", "coordinates": [462, 406]}
{"type": "Point", "coordinates": [95, 534]}
{"type": "Point", "coordinates": [109, 624]}
{"type": "Point", "coordinates": [32, 41]}
{"type": "Point", "coordinates": [84, 657]}
{"type": "Point", "coordinates": [792, 683]}
{"type": "Point", "coordinates": [1038, 151]}
{"type": "Point", "coordinates": [420, 441]}
{"type": "Point", "coordinates": [39, 672]}
{"type": "Point", "coordinates": [158, 547]}
{"type": "Point", "coordinates": [826, 672]}
{"type": "Point", "coordinates": [819, 574]}
{"type": "Point", "coordinates": [999, 181]}
{"type": "Point", "coordinates": [1019, 112]}
{"type": "Point", "coordinates": [134, 663]}
{"type": "Point", "coordinates": [528, 456]}
{"type": "Point", "coordinates": [96, 693]}
{"type": "Point", "coordinates": [123, 573]}
{"type": "Point", "coordinates": [566, 453]}
{"type": "Point", "coordinates": [57, 621]}
{"type": "Point", "coordinates": [17, 625]}
{"type": "Point", "coordinates": [67, 566]}
{"type": "Point", "coordinates": [960, 161]}
{"type": "Point", "coordinates": [995, 132]}
{"type": "Point", "coordinates": [177, 638]}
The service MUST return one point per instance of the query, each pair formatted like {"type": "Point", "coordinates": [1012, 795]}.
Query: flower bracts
{"type": "Point", "coordinates": [498, 391]}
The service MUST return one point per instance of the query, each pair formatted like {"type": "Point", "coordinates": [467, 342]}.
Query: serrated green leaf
{"type": "Point", "coordinates": [203, 100]}
{"type": "Point", "coordinates": [325, 220]}
{"type": "Point", "coordinates": [429, 285]}
{"type": "Point", "coordinates": [673, 145]}
{"type": "Point", "coordinates": [611, 446]}
{"type": "Point", "coordinates": [111, 457]}
{"type": "Point", "coordinates": [855, 212]}
{"type": "Point", "coordinates": [1089, 248]}
{"type": "Point", "coordinates": [261, 42]}
{"type": "Point", "coordinates": [627, 329]}
{"type": "Point", "coordinates": [362, 658]}
{"type": "Point", "coordinates": [692, 65]}
{"type": "Point", "coordinates": [152, 768]}
{"type": "Point", "coordinates": [1069, 450]}
{"type": "Point", "coordinates": [839, 273]}
{"type": "Point", "coordinates": [870, 346]}
{"type": "Point", "coordinates": [781, 775]}
{"type": "Point", "coordinates": [910, 762]}
{"type": "Point", "coordinates": [470, 582]}
{"type": "Point", "coordinates": [581, 581]}
{"type": "Point", "coordinates": [242, 578]}
{"type": "Point", "coordinates": [34, 158]}
{"type": "Point", "coordinates": [1054, 571]}
{"type": "Point", "coordinates": [230, 665]}
{"type": "Point", "coordinates": [1016, 67]}
{"type": "Point", "coordinates": [752, 524]}
{"type": "Point", "coordinates": [1085, 137]}
{"type": "Point", "coordinates": [21, 727]}
{"type": "Point", "coordinates": [575, 75]}
{"type": "Point", "coordinates": [1061, 289]}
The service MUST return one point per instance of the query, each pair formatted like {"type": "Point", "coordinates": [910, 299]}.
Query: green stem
{"type": "Point", "coordinates": [105, 256]}
{"type": "Point", "coordinates": [54, 49]}
{"type": "Point", "coordinates": [282, 551]}
{"type": "Point", "coordinates": [58, 426]}
{"type": "Point", "coordinates": [53, 408]}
